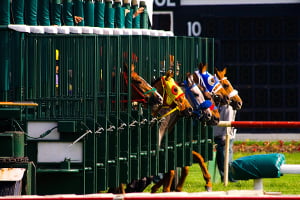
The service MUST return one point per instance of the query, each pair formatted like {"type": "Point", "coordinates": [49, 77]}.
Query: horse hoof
{"type": "Point", "coordinates": [208, 189]}
{"type": "Point", "coordinates": [154, 190]}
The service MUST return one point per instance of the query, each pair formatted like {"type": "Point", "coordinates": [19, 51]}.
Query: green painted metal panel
{"type": "Point", "coordinates": [4, 61]}
{"type": "Point", "coordinates": [7, 145]}
{"type": "Point", "coordinates": [12, 144]}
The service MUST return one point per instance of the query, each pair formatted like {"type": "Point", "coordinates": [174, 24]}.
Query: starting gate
{"type": "Point", "coordinates": [86, 135]}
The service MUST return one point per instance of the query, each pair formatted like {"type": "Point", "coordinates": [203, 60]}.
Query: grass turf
{"type": "Point", "coordinates": [286, 184]}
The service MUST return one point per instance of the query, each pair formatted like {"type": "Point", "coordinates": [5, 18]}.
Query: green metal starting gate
{"type": "Point", "coordinates": [85, 135]}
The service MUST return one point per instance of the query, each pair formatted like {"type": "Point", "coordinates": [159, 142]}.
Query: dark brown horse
{"type": "Point", "coordinates": [142, 92]}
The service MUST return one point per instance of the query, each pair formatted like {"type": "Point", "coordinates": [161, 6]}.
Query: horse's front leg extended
{"type": "Point", "coordinates": [184, 174]}
{"type": "Point", "coordinates": [168, 182]}
{"type": "Point", "coordinates": [199, 159]}
{"type": "Point", "coordinates": [157, 185]}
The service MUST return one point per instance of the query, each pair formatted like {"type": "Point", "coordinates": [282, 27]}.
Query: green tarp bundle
{"type": "Point", "coordinates": [128, 16]}
{"type": "Point", "coordinates": [43, 13]}
{"type": "Point", "coordinates": [68, 13]}
{"type": "Point", "coordinates": [119, 14]}
{"type": "Point", "coordinates": [79, 11]}
{"type": "Point", "coordinates": [89, 13]}
{"type": "Point", "coordinates": [144, 21]}
{"type": "Point", "coordinates": [136, 19]}
{"type": "Point", "coordinates": [55, 12]}
{"type": "Point", "coordinates": [99, 14]}
{"type": "Point", "coordinates": [109, 14]}
{"type": "Point", "coordinates": [18, 11]}
{"type": "Point", "coordinates": [257, 166]}
{"type": "Point", "coordinates": [31, 12]}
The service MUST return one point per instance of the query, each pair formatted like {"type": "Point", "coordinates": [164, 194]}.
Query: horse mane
{"type": "Point", "coordinates": [154, 81]}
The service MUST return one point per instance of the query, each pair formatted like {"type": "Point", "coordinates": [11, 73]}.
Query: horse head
{"type": "Point", "coordinates": [141, 89]}
{"type": "Point", "coordinates": [175, 104]}
{"type": "Point", "coordinates": [204, 109]}
{"type": "Point", "coordinates": [173, 94]}
{"type": "Point", "coordinates": [235, 100]}
{"type": "Point", "coordinates": [212, 85]}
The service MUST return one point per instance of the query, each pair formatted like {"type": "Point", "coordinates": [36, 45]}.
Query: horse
{"type": "Point", "coordinates": [235, 100]}
{"type": "Point", "coordinates": [236, 103]}
{"type": "Point", "coordinates": [142, 92]}
{"type": "Point", "coordinates": [211, 85]}
{"type": "Point", "coordinates": [227, 113]}
{"type": "Point", "coordinates": [175, 105]}
{"type": "Point", "coordinates": [203, 110]}
{"type": "Point", "coordinates": [226, 90]}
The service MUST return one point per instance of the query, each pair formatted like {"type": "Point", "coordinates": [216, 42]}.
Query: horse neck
{"type": "Point", "coordinates": [168, 123]}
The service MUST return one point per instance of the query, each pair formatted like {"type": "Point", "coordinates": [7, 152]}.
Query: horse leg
{"type": "Point", "coordinates": [206, 175]}
{"type": "Point", "coordinates": [157, 185]}
{"type": "Point", "coordinates": [117, 190]}
{"type": "Point", "coordinates": [184, 173]}
{"type": "Point", "coordinates": [168, 182]}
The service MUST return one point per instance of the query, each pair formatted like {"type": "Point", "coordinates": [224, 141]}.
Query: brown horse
{"type": "Point", "coordinates": [235, 100]}
{"type": "Point", "coordinates": [174, 105]}
{"type": "Point", "coordinates": [227, 113]}
{"type": "Point", "coordinates": [211, 116]}
{"type": "Point", "coordinates": [142, 91]}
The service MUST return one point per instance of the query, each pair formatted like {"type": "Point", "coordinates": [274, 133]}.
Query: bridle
{"type": "Point", "coordinates": [171, 93]}
{"type": "Point", "coordinates": [142, 94]}
{"type": "Point", "coordinates": [212, 84]}
{"type": "Point", "coordinates": [198, 107]}
{"type": "Point", "coordinates": [234, 92]}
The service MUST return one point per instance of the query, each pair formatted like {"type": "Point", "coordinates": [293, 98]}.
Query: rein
{"type": "Point", "coordinates": [168, 113]}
